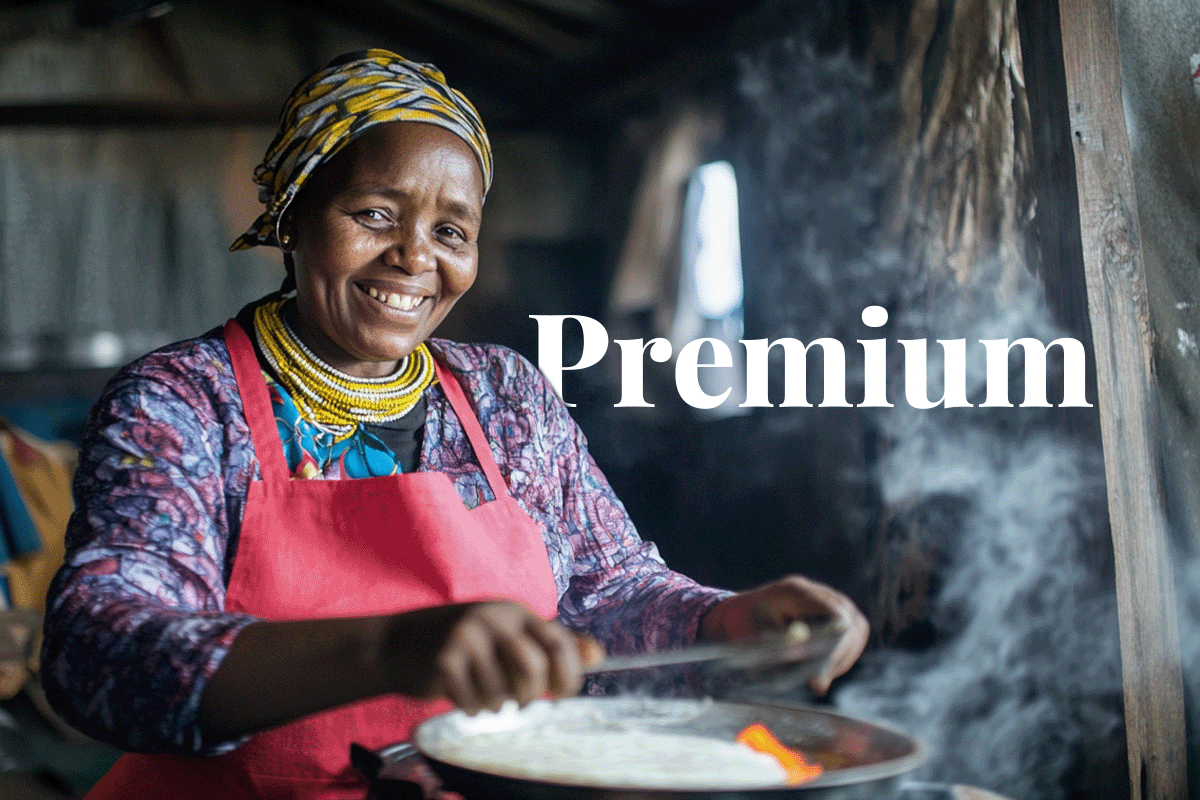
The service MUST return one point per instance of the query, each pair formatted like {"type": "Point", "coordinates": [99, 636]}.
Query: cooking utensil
{"type": "Point", "coordinates": [861, 759]}
{"type": "Point", "coordinates": [798, 644]}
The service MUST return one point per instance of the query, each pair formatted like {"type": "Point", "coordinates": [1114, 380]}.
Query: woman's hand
{"type": "Point", "coordinates": [481, 654]}
{"type": "Point", "coordinates": [777, 605]}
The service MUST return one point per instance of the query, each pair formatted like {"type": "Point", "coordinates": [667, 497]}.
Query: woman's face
{"type": "Point", "coordinates": [385, 242]}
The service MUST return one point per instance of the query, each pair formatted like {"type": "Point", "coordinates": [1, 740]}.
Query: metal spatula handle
{"type": "Point", "coordinates": [768, 649]}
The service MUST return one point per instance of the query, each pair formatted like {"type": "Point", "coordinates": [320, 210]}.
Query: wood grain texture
{"type": "Point", "coordinates": [1127, 393]}
{"type": "Point", "coordinates": [964, 131]}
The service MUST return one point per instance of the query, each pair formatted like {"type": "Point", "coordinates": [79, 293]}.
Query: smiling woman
{"type": "Point", "coordinates": [319, 525]}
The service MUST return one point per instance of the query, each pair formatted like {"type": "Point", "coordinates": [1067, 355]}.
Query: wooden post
{"type": "Point", "coordinates": [1127, 394]}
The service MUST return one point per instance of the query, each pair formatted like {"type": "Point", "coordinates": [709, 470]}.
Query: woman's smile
{"type": "Point", "coordinates": [398, 301]}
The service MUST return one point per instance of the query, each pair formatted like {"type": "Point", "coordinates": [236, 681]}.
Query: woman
{"type": "Point", "coordinates": [318, 525]}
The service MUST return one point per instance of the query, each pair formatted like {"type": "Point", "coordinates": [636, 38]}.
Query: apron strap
{"type": "Point", "coordinates": [466, 417]}
{"type": "Point", "coordinates": [256, 403]}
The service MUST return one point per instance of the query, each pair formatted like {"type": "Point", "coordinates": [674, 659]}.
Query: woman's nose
{"type": "Point", "coordinates": [413, 253]}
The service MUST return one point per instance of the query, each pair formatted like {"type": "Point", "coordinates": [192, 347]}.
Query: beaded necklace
{"type": "Point", "coordinates": [328, 397]}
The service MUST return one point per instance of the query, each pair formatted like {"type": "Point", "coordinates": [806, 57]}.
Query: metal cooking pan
{"type": "Point", "coordinates": [861, 759]}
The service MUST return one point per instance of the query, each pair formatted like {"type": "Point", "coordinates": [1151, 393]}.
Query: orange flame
{"type": "Point", "coordinates": [799, 770]}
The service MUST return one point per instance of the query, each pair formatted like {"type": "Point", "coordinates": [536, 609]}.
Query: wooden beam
{"type": "Point", "coordinates": [1127, 393]}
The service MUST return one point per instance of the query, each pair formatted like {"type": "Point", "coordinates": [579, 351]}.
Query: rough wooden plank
{"type": "Point", "coordinates": [1053, 233]}
{"type": "Point", "coordinates": [1126, 383]}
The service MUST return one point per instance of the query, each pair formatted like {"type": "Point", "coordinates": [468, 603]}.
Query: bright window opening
{"type": "Point", "coordinates": [712, 242]}
{"type": "Point", "coordinates": [711, 293]}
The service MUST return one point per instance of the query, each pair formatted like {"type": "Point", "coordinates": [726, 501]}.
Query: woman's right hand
{"type": "Point", "coordinates": [479, 655]}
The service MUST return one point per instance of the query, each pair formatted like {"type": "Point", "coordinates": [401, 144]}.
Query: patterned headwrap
{"type": "Point", "coordinates": [334, 106]}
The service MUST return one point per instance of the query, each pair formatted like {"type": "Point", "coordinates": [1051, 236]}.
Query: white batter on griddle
{"type": "Point", "coordinates": [618, 759]}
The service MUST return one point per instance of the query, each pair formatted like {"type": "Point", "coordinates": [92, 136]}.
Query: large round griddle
{"type": "Point", "coordinates": [861, 759]}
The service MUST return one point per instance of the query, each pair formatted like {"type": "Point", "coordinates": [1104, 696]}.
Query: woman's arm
{"type": "Point", "coordinates": [135, 622]}
{"type": "Point", "coordinates": [476, 654]}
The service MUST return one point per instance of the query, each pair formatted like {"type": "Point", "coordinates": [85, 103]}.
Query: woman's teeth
{"type": "Point", "coordinates": [404, 302]}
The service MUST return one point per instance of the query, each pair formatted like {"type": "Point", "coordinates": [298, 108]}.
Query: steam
{"type": "Point", "coordinates": [1020, 690]}
{"type": "Point", "coordinates": [1022, 686]}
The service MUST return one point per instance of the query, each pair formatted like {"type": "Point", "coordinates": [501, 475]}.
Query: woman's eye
{"type": "Point", "coordinates": [451, 234]}
{"type": "Point", "coordinates": [372, 216]}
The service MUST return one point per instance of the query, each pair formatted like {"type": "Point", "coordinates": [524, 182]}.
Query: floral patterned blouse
{"type": "Point", "coordinates": [136, 623]}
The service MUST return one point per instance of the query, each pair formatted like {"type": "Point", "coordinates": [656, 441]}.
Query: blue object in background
{"type": "Point", "coordinates": [18, 535]}
{"type": "Point", "coordinates": [62, 418]}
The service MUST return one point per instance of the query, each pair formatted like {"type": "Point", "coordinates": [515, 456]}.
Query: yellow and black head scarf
{"type": "Point", "coordinates": [335, 105]}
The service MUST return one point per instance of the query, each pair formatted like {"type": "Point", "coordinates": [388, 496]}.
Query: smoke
{"type": "Point", "coordinates": [1021, 687]}
{"type": "Point", "coordinates": [1016, 686]}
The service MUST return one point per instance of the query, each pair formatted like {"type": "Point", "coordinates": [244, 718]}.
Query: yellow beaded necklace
{"type": "Point", "coordinates": [329, 398]}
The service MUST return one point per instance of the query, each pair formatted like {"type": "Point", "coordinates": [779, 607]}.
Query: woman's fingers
{"type": "Point", "coordinates": [564, 675]}
{"type": "Point", "coordinates": [849, 647]}
{"type": "Point", "coordinates": [526, 665]}
{"type": "Point", "coordinates": [778, 604]}
{"type": "Point", "coordinates": [487, 653]}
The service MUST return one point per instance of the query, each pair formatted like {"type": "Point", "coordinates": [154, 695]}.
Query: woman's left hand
{"type": "Point", "coordinates": [782, 602]}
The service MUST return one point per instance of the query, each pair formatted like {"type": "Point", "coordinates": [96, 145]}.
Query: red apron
{"type": "Point", "coordinates": [329, 548]}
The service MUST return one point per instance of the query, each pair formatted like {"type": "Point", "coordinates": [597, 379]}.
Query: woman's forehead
{"type": "Point", "coordinates": [398, 149]}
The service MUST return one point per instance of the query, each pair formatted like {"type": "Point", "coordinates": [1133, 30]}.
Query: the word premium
{"type": "Point", "coordinates": [690, 360]}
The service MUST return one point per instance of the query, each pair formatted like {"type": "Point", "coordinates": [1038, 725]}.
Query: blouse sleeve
{"type": "Point", "coordinates": [620, 590]}
{"type": "Point", "coordinates": [135, 625]}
